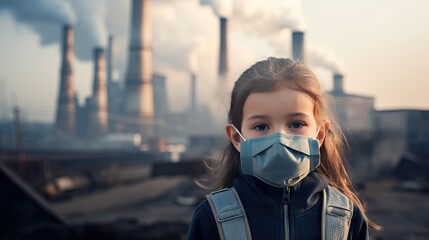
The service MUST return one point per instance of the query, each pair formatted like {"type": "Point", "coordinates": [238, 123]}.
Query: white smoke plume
{"type": "Point", "coordinates": [182, 45]}
{"type": "Point", "coordinates": [90, 27]}
{"type": "Point", "coordinates": [261, 18]}
{"type": "Point", "coordinates": [184, 32]}
{"type": "Point", "coordinates": [42, 16]}
{"type": "Point", "coordinates": [322, 57]}
{"type": "Point", "coordinates": [272, 22]}
{"type": "Point", "coordinates": [199, 47]}
{"type": "Point", "coordinates": [177, 41]}
{"type": "Point", "coordinates": [36, 14]}
{"type": "Point", "coordinates": [222, 8]}
{"type": "Point", "coordinates": [40, 11]}
{"type": "Point", "coordinates": [275, 23]}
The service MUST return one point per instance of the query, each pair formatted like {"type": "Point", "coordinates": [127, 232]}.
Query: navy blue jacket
{"type": "Point", "coordinates": [264, 208]}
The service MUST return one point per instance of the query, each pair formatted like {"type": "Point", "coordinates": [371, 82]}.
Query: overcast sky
{"type": "Point", "coordinates": [381, 47]}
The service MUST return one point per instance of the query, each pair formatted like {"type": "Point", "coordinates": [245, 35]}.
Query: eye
{"type": "Point", "coordinates": [296, 125]}
{"type": "Point", "coordinates": [261, 127]}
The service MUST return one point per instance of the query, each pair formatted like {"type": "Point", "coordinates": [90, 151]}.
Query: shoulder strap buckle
{"type": "Point", "coordinates": [337, 211]}
{"type": "Point", "coordinates": [229, 213]}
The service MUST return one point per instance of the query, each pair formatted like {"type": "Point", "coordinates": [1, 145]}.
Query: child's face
{"type": "Point", "coordinates": [285, 110]}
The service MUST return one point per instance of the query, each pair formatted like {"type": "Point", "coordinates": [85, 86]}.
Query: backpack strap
{"type": "Point", "coordinates": [229, 215]}
{"type": "Point", "coordinates": [337, 212]}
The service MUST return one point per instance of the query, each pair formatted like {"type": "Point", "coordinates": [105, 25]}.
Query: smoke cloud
{"type": "Point", "coordinates": [90, 27]}
{"type": "Point", "coordinates": [182, 46]}
{"type": "Point", "coordinates": [261, 18]}
{"type": "Point", "coordinates": [322, 57]}
{"type": "Point", "coordinates": [198, 48]}
{"type": "Point", "coordinates": [275, 23]}
{"type": "Point", "coordinates": [177, 42]}
{"type": "Point", "coordinates": [28, 11]}
{"type": "Point", "coordinates": [181, 43]}
{"type": "Point", "coordinates": [271, 22]}
{"type": "Point", "coordinates": [258, 17]}
{"type": "Point", "coordinates": [222, 8]}
{"type": "Point", "coordinates": [42, 16]}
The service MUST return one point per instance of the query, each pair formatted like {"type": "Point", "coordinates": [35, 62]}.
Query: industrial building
{"type": "Point", "coordinates": [398, 132]}
{"type": "Point", "coordinates": [353, 113]}
{"type": "Point", "coordinates": [66, 118]}
{"type": "Point", "coordinates": [135, 110]}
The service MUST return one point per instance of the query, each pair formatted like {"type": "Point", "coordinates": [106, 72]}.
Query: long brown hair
{"type": "Point", "coordinates": [266, 76]}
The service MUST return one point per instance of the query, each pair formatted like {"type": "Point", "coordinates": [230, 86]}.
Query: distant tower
{"type": "Point", "coordinates": [161, 104]}
{"type": "Point", "coordinates": [298, 47]}
{"type": "Point", "coordinates": [193, 104]}
{"type": "Point", "coordinates": [109, 67]}
{"type": "Point", "coordinates": [66, 119]}
{"type": "Point", "coordinates": [139, 100]}
{"type": "Point", "coordinates": [192, 112]}
{"type": "Point", "coordinates": [97, 109]}
{"type": "Point", "coordinates": [109, 70]}
{"type": "Point", "coordinates": [109, 61]}
{"type": "Point", "coordinates": [223, 49]}
{"type": "Point", "coordinates": [338, 84]}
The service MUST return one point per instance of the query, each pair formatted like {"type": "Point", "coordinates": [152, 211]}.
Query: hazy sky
{"type": "Point", "coordinates": [381, 46]}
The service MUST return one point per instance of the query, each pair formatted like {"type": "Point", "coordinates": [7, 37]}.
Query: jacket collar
{"type": "Point", "coordinates": [304, 195]}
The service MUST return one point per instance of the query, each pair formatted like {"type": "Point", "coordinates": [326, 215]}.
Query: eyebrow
{"type": "Point", "coordinates": [298, 114]}
{"type": "Point", "coordinates": [264, 117]}
{"type": "Point", "coordinates": [253, 117]}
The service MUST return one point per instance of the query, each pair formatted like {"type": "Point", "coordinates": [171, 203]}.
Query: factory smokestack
{"type": "Point", "coordinates": [223, 49]}
{"type": "Point", "coordinates": [338, 83]}
{"type": "Point", "coordinates": [160, 99]}
{"type": "Point", "coordinates": [109, 71]}
{"type": "Point", "coordinates": [298, 48]}
{"type": "Point", "coordinates": [97, 109]}
{"type": "Point", "coordinates": [193, 104]}
{"type": "Point", "coordinates": [109, 62]}
{"type": "Point", "coordinates": [66, 118]}
{"type": "Point", "coordinates": [139, 102]}
{"type": "Point", "coordinates": [192, 110]}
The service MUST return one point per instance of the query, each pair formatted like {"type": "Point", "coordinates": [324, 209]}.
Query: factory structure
{"type": "Point", "coordinates": [136, 112]}
{"type": "Point", "coordinates": [66, 110]}
{"type": "Point", "coordinates": [379, 139]}
{"type": "Point", "coordinates": [223, 51]}
{"type": "Point", "coordinates": [298, 46]}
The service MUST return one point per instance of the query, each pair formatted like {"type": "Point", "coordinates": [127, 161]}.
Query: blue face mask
{"type": "Point", "coordinates": [280, 160]}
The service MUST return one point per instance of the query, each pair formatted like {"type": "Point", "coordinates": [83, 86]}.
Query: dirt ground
{"type": "Point", "coordinates": [402, 214]}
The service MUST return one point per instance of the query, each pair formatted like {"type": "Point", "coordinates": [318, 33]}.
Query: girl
{"type": "Point", "coordinates": [284, 162]}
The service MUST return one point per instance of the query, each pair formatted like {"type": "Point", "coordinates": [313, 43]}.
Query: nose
{"type": "Point", "coordinates": [281, 129]}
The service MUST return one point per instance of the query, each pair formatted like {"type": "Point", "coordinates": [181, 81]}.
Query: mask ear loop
{"type": "Point", "coordinates": [317, 133]}
{"type": "Point", "coordinates": [242, 137]}
{"type": "Point", "coordinates": [318, 130]}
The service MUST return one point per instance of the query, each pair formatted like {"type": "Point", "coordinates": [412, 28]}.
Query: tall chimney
{"type": "Point", "coordinates": [338, 83]}
{"type": "Point", "coordinates": [223, 49]}
{"type": "Point", "coordinates": [97, 111]}
{"type": "Point", "coordinates": [109, 71]}
{"type": "Point", "coordinates": [192, 110]}
{"type": "Point", "coordinates": [160, 104]}
{"type": "Point", "coordinates": [139, 102]}
{"type": "Point", "coordinates": [298, 49]}
{"type": "Point", "coordinates": [65, 117]}
{"type": "Point", "coordinates": [109, 62]}
{"type": "Point", "coordinates": [193, 105]}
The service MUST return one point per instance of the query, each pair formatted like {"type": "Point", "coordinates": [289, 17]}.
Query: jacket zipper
{"type": "Point", "coordinates": [286, 202]}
